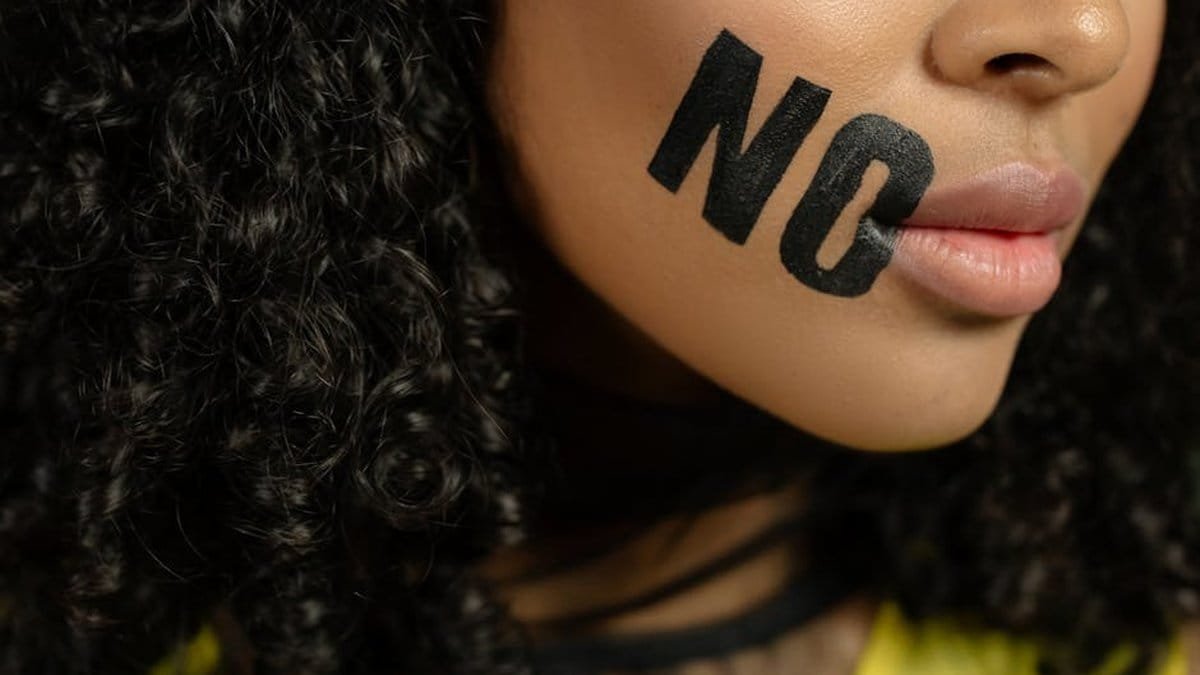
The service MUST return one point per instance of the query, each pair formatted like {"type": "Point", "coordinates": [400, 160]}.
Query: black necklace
{"type": "Point", "coordinates": [807, 596]}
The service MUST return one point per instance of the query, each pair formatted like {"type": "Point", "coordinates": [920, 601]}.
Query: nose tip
{"type": "Point", "coordinates": [1036, 49]}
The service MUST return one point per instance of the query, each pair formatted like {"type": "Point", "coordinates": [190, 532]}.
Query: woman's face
{"type": "Point", "coordinates": [843, 211]}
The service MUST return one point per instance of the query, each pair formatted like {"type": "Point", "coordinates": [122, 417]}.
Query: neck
{"type": "Point", "coordinates": [643, 444]}
{"type": "Point", "coordinates": [559, 600]}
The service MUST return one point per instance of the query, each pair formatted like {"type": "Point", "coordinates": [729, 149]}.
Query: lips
{"type": "Point", "coordinates": [990, 244]}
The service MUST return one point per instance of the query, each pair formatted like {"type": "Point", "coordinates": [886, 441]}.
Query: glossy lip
{"type": "Point", "coordinates": [990, 244]}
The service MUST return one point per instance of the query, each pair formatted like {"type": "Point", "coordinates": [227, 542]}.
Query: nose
{"type": "Point", "coordinates": [1034, 49]}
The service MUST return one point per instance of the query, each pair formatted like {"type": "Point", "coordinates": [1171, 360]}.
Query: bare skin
{"type": "Point", "coordinates": [583, 92]}
{"type": "Point", "coordinates": [664, 308]}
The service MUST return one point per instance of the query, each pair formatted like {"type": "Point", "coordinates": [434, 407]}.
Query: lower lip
{"type": "Point", "coordinates": [1000, 274]}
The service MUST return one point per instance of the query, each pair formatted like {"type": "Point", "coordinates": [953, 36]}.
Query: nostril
{"type": "Point", "coordinates": [1021, 61]}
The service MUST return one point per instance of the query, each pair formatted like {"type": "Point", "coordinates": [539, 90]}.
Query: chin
{"type": "Point", "coordinates": [892, 426]}
{"type": "Point", "coordinates": [911, 435]}
{"type": "Point", "coordinates": [916, 405]}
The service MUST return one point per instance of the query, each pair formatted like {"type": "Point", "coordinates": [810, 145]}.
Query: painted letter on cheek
{"type": "Point", "coordinates": [864, 139]}
{"type": "Point", "coordinates": [720, 96]}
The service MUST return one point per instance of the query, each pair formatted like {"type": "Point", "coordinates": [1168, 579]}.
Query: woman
{"type": "Point", "coordinates": [312, 312]}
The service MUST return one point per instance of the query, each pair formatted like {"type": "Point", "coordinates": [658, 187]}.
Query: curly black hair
{"type": "Point", "coordinates": [258, 359]}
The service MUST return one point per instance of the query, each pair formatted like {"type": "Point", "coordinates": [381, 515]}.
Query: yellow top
{"type": "Point", "coordinates": [201, 656]}
{"type": "Point", "coordinates": [896, 647]}
{"type": "Point", "coordinates": [941, 647]}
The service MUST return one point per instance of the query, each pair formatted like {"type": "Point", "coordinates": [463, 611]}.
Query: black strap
{"type": "Point", "coordinates": [806, 597]}
{"type": "Point", "coordinates": [760, 542]}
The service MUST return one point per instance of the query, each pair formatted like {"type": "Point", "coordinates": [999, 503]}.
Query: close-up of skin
{"type": "Point", "coordinates": [1022, 106]}
{"type": "Point", "coordinates": [599, 337]}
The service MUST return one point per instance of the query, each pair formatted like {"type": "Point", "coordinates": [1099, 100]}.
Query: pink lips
{"type": "Point", "coordinates": [990, 244]}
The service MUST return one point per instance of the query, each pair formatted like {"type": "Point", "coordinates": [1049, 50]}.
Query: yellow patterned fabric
{"type": "Point", "coordinates": [896, 647]}
{"type": "Point", "coordinates": [938, 647]}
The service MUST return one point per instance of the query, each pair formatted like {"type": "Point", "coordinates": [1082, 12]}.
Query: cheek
{"type": "Point", "coordinates": [583, 95]}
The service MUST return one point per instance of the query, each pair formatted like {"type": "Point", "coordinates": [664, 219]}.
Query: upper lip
{"type": "Point", "coordinates": [1014, 197]}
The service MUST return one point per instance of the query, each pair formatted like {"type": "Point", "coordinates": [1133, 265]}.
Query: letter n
{"type": "Point", "coordinates": [720, 96]}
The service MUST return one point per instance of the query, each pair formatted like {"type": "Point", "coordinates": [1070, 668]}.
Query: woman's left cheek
{"type": "Point", "coordinates": [720, 98]}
